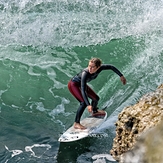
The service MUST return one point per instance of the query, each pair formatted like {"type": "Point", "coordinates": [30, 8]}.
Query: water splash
{"type": "Point", "coordinates": [102, 158]}
{"type": "Point", "coordinates": [14, 152]}
{"type": "Point", "coordinates": [76, 23]}
{"type": "Point", "coordinates": [45, 148]}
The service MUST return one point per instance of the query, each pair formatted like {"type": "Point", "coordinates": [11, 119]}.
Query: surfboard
{"type": "Point", "coordinates": [92, 123]}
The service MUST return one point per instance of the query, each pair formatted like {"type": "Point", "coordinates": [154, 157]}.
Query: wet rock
{"type": "Point", "coordinates": [148, 148]}
{"type": "Point", "coordinates": [136, 120]}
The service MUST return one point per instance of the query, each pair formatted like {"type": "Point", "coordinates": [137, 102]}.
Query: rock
{"type": "Point", "coordinates": [148, 148]}
{"type": "Point", "coordinates": [135, 120]}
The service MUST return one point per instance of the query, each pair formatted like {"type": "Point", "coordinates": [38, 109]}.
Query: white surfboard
{"type": "Point", "coordinates": [91, 123]}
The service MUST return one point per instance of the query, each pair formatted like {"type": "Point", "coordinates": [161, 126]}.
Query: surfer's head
{"type": "Point", "coordinates": [96, 61]}
{"type": "Point", "coordinates": [94, 65]}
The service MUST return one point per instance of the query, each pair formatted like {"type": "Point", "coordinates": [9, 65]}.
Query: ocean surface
{"type": "Point", "coordinates": [43, 43]}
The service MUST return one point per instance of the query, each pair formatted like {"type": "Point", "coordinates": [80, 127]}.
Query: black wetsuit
{"type": "Point", "coordinates": [81, 91]}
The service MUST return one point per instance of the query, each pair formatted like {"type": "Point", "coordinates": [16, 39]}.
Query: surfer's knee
{"type": "Point", "coordinates": [97, 98]}
{"type": "Point", "coordinates": [81, 108]}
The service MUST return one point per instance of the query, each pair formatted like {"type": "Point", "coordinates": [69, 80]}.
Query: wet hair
{"type": "Point", "coordinates": [96, 61]}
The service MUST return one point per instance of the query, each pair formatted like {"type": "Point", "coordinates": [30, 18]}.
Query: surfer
{"type": "Point", "coordinates": [81, 91]}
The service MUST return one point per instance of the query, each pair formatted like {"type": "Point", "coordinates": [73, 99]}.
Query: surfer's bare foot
{"type": "Point", "coordinates": [79, 126]}
{"type": "Point", "coordinates": [99, 113]}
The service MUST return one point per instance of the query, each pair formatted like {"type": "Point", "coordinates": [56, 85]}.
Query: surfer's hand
{"type": "Point", "coordinates": [90, 108]}
{"type": "Point", "coordinates": [123, 80]}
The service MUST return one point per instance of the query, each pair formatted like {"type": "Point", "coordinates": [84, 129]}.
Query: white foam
{"type": "Point", "coordinates": [30, 148]}
{"type": "Point", "coordinates": [100, 158]}
{"type": "Point", "coordinates": [109, 123]}
{"type": "Point", "coordinates": [14, 152]}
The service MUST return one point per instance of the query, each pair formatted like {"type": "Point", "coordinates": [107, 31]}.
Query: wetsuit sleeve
{"type": "Point", "coordinates": [113, 68]}
{"type": "Point", "coordinates": [83, 87]}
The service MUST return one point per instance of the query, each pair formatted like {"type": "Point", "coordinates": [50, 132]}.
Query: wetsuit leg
{"type": "Point", "coordinates": [75, 90]}
{"type": "Point", "coordinates": [80, 112]}
{"type": "Point", "coordinates": [95, 98]}
{"type": "Point", "coordinates": [94, 105]}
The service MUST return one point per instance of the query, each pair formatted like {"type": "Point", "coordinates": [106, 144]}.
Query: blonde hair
{"type": "Point", "coordinates": [96, 61]}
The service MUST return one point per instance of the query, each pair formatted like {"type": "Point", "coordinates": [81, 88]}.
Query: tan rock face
{"type": "Point", "coordinates": [148, 148]}
{"type": "Point", "coordinates": [135, 120]}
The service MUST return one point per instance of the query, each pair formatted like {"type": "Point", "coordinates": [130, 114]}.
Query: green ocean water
{"type": "Point", "coordinates": [44, 43]}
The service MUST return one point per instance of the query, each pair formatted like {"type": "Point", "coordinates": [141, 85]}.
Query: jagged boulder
{"type": "Point", "coordinates": [135, 120]}
{"type": "Point", "coordinates": [148, 148]}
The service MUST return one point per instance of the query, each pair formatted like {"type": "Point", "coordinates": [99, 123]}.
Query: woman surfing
{"type": "Point", "coordinates": [81, 91]}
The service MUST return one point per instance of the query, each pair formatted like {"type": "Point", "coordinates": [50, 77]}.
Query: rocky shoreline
{"type": "Point", "coordinates": [133, 123]}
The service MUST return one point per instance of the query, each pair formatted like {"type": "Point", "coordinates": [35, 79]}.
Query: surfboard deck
{"type": "Point", "coordinates": [91, 123]}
